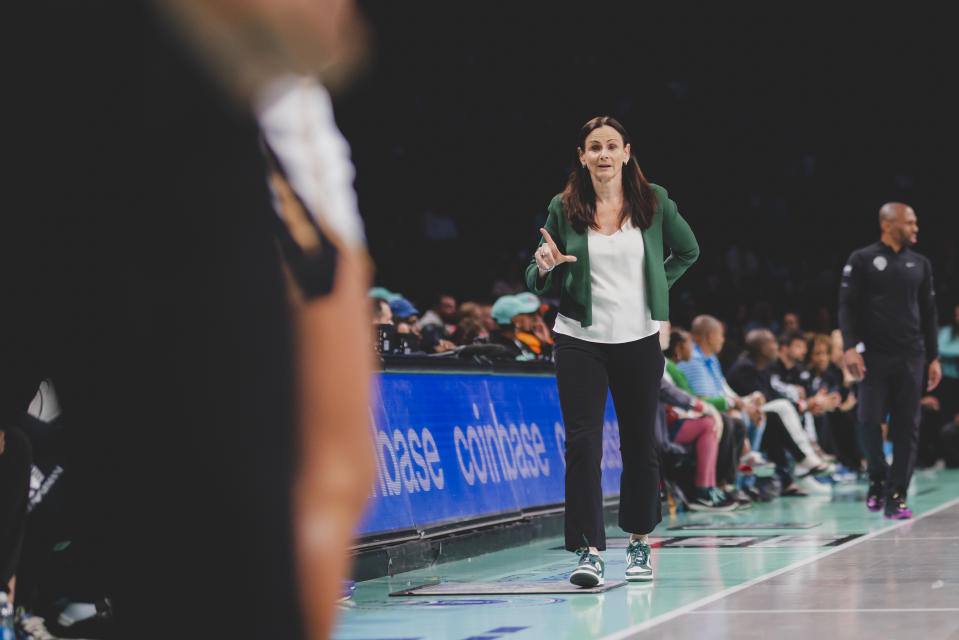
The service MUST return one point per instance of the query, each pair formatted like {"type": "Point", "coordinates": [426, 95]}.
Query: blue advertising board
{"type": "Point", "coordinates": [460, 446]}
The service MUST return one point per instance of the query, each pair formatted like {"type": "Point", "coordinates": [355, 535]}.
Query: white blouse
{"type": "Point", "coordinates": [617, 277]}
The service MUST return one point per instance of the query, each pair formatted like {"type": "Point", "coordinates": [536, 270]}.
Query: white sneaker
{"type": "Point", "coordinates": [813, 487]}
{"type": "Point", "coordinates": [811, 465]}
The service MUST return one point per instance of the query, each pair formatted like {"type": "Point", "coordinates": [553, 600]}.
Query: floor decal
{"type": "Point", "coordinates": [502, 588]}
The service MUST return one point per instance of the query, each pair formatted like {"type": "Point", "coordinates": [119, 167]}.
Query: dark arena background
{"type": "Point", "coordinates": [779, 132]}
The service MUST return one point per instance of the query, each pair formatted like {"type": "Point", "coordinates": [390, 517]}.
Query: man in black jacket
{"type": "Point", "coordinates": [887, 314]}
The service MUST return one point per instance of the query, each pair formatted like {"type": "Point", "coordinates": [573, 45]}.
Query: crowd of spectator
{"type": "Point", "coordinates": [771, 412]}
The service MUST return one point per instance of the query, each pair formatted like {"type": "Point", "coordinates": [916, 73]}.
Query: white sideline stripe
{"type": "Point", "coordinates": [728, 611]}
{"type": "Point", "coordinates": [675, 613]}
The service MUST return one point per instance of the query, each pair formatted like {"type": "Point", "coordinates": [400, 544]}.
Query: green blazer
{"type": "Point", "coordinates": [668, 231]}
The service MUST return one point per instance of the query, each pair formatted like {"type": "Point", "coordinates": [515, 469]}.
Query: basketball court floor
{"type": "Point", "coordinates": [811, 568]}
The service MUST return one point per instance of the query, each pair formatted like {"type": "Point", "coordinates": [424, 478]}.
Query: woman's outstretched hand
{"type": "Point", "coordinates": [548, 254]}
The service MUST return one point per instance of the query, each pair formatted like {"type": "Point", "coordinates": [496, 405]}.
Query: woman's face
{"type": "Point", "coordinates": [820, 357]}
{"type": "Point", "coordinates": [604, 154]}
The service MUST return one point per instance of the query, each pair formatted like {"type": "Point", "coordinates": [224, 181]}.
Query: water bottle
{"type": "Point", "coordinates": [6, 617]}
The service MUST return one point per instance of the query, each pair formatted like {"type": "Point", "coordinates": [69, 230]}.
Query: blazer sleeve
{"type": "Point", "coordinates": [534, 283]}
{"type": "Point", "coordinates": [679, 238]}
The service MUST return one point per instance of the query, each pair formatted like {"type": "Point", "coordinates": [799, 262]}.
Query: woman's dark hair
{"type": "Point", "coordinates": [676, 338]}
{"type": "Point", "coordinates": [579, 199]}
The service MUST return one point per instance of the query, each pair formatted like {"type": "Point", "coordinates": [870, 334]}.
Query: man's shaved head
{"type": "Point", "coordinates": [703, 325]}
{"type": "Point", "coordinates": [898, 224]}
{"type": "Point", "coordinates": [891, 211]}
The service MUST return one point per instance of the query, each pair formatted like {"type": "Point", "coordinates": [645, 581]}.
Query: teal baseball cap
{"type": "Point", "coordinates": [384, 293]}
{"type": "Point", "coordinates": [506, 307]}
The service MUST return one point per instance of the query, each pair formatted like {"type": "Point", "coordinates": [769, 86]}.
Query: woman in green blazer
{"type": "Point", "coordinates": [604, 247]}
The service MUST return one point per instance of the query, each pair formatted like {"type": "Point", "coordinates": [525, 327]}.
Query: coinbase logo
{"type": "Point", "coordinates": [407, 461]}
{"type": "Point", "coordinates": [497, 452]}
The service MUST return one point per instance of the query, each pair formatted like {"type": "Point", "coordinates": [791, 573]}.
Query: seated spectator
{"type": "Point", "coordinates": [679, 350]}
{"type": "Point", "coordinates": [704, 376]}
{"type": "Point", "coordinates": [486, 317]}
{"type": "Point", "coordinates": [783, 430]}
{"type": "Point", "coordinates": [405, 317]}
{"type": "Point", "coordinates": [469, 330]}
{"type": "Point", "coordinates": [540, 328]}
{"type": "Point", "coordinates": [850, 455]}
{"type": "Point", "coordinates": [381, 312]}
{"type": "Point", "coordinates": [469, 309]}
{"type": "Point", "coordinates": [690, 421]}
{"type": "Point", "coordinates": [384, 332]}
{"type": "Point", "coordinates": [792, 380]}
{"type": "Point", "coordinates": [437, 325]}
{"type": "Point", "coordinates": [515, 316]}
{"type": "Point", "coordinates": [791, 321]}
{"type": "Point", "coordinates": [442, 313]}
{"type": "Point", "coordinates": [383, 293]}
{"type": "Point", "coordinates": [836, 427]}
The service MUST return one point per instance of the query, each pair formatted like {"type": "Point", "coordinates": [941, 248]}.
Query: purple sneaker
{"type": "Point", "coordinates": [875, 497]}
{"type": "Point", "coordinates": [896, 508]}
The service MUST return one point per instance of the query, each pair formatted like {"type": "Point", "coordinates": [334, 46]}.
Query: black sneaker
{"type": "Point", "coordinates": [875, 498]}
{"type": "Point", "coordinates": [740, 498]}
{"type": "Point", "coordinates": [715, 500]}
{"type": "Point", "coordinates": [896, 508]}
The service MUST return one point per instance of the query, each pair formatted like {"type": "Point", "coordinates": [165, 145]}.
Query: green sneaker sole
{"type": "Point", "coordinates": [585, 579]}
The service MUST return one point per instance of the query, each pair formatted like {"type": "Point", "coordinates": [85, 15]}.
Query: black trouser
{"type": "Point", "coordinates": [776, 443]}
{"type": "Point", "coordinates": [949, 435]}
{"type": "Point", "coordinates": [631, 371]}
{"type": "Point", "coordinates": [730, 449]}
{"type": "Point", "coordinates": [14, 483]}
{"type": "Point", "coordinates": [842, 428]}
{"type": "Point", "coordinates": [892, 386]}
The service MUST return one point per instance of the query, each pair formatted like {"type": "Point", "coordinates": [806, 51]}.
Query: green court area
{"type": "Point", "coordinates": [700, 560]}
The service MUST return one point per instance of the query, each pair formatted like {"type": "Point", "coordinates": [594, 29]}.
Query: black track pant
{"type": "Point", "coordinates": [892, 387]}
{"type": "Point", "coordinates": [631, 371]}
{"type": "Point", "coordinates": [14, 482]}
{"type": "Point", "coordinates": [776, 443]}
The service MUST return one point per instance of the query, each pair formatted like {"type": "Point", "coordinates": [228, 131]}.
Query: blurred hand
{"type": "Point", "coordinates": [443, 345]}
{"type": "Point", "coordinates": [833, 400]}
{"type": "Point", "coordinates": [548, 254]}
{"type": "Point", "coordinates": [738, 403]}
{"type": "Point", "coordinates": [249, 42]}
{"type": "Point", "coordinates": [540, 330]}
{"type": "Point", "coordinates": [801, 390]}
{"type": "Point", "coordinates": [930, 402]}
{"type": "Point", "coordinates": [755, 413]}
{"type": "Point", "coordinates": [849, 403]}
{"type": "Point", "coordinates": [854, 362]}
{"type": "Point", "coordinates": [815, 405]}
{"type": "Point", "coordinates": [935, 374]}
{"type": "Point", "coordinates": [713, 413]}
{"type": "Point", "coordinates": [3, 442]}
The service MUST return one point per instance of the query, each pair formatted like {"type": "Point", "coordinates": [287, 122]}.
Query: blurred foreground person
{"type": "Point", "coordinates": [216, 389]}
{"type": "Point", "coordinates": [887, 314]}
